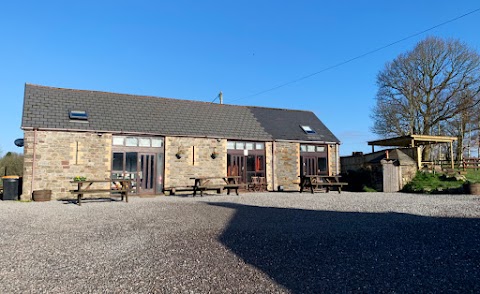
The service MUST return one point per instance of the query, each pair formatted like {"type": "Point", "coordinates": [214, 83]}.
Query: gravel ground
{"type": "Point", "coordinates": [252, 243]}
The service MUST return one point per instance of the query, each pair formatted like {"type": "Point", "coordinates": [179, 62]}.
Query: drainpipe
{"type": "Point", "coordinates": [273, 166]}
{"type": "Point", "coordinates": [34, 159]}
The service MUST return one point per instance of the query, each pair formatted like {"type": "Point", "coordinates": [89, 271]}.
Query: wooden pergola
{"type": "Point", "coordinates": [415, 141]}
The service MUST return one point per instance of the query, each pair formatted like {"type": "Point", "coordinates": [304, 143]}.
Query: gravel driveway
{"type": "Point", "coordinates": [252, 243]}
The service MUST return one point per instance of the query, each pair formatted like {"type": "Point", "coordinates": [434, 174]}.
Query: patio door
{"type": "Point", "coordinates": [146, 174]}
{"type": "Point", "coordinates": [309, 165]}
{"type": "Point", "coordinates": [313, 165]}
{"type": "Point", "coordinates": [246, 166]}
{"type": "Point", "coordinates": [236, 167]}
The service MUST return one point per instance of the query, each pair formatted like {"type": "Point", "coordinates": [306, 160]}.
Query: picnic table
{"type": "Point", "coordinates": [121, 186]}
{"type": "Point", "coordinates": [314, 182]}
{"type": "Point", "coordinates": [258, 184]}
{"type": "Point", "coordinates": [208, 183]}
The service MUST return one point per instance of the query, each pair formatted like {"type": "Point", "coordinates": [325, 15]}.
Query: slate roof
{"type": "Point", "coordinates": [48, 108]}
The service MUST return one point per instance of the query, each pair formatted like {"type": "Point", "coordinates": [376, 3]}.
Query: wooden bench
{"type": "Point", "coordinates": [120, 186]}
{"type": "Point", "coordinates": [229, 187]}
{"type": "Point", "coordinates": [173, 190]}
{"type": "Point", "coordinates": [328, 186]}
{"type": "Point", "coordinates": [207, 188]}
{"type": "Point", "coordinates": [315, 182]}
{"type": "Point", "coordinates": [123, 193]}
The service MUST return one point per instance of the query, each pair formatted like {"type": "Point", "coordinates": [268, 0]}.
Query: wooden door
{"type": "Point", "coordinates": [147, 174]}
{"type": "Point", "coordinates": [309, 165]}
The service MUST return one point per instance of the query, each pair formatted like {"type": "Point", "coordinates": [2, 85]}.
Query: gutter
{"type": "Point", "coordinates": [148, 134]}
{"type": "Point", "coordinates": [306, 142]}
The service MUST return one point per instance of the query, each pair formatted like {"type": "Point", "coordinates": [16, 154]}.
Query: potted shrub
{"type": "Point", "coordinates": [472, 188]}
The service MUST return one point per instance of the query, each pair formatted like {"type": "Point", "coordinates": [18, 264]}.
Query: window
{"type": "Point", "coordinates": [245, 145]}
{"type": "Point", "coordinates": [130, 141]}
{"type": "Point", "coordinates": [313, 159]}
{"type": "Point", "coordinates": [120, 141]}
{"type": "Point", "coordinates": [78, 115]}
{"type": "Point", "coordinates": [308, 130]}
{"type": "Point", "coordinates": [144, 142]}
{"type": "Point", "coordinates": [117, 161]}
{"type": "Point", "coordinates": [154, 142]}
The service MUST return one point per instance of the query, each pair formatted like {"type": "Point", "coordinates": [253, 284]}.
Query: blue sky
{"type": "Point", "coordinates": [194, 49]}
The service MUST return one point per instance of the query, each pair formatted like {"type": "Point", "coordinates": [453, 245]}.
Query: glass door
{"type": "Point", "coordinates": [236, 167]}
{"type": "Point", "coordinates": [146, 173]}
{"type": "Point", "coordinates": [246, 166]}
{"type": "Point", "coordinates": [124, 166]}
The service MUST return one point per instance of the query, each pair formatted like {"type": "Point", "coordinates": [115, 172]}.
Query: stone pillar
{"type": "Point", "coordinates": [287, 165]}
{"type": "Point", "coordinates": [195, 159]}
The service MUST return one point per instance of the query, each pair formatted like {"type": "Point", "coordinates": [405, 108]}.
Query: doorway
{"type": "Point", "coordinates": [140, 159]}
{"type": "Point", "coordinates": [246, 166]}
{"type": "Point", "coordinates": [146, 173]}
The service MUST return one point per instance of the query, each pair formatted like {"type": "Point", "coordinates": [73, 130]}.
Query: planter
{"type": "Point", "coordinates": [42, 195]}
{"type": "Point", "coordinates": [474, 188]}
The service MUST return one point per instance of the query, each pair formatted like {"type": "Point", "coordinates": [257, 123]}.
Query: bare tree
{"type": "Point", "coordinates": [422, 91]}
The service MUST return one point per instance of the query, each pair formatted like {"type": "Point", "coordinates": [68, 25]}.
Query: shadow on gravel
{"type": "Point", "coordinates": [333, 252]}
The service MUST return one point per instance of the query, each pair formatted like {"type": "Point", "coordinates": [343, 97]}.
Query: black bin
{"type": "Point", "coordinates": [11, 187]}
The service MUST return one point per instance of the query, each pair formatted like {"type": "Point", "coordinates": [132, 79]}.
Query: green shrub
{"type": "Point", "coordinates": [11, 164]}
{"type": "Point", "coordinates": [430, 183]}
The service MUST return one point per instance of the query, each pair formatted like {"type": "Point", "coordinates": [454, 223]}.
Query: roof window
{"type": "Point", "coordinates": [78, 115]}
{"type": "Point", "coordinates": [308, 130]}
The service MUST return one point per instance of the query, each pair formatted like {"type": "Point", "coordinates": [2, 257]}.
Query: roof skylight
{"type": "Point", "coordinates": [78, 115]}
{"type": "Point", "coordinates": [308, 130]}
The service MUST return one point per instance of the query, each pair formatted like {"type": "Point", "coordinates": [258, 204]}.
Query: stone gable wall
{"type": "Point", "coordinates": [60, 156]}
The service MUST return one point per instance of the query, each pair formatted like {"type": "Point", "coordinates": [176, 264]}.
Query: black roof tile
{"type": "Point", "coordinates": [48, 108]}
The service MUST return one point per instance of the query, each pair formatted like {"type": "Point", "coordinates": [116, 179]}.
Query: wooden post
{"type": "Point", "coordinates": [451, 154]}
{"type": "Point", "coordinates": [419, 158]}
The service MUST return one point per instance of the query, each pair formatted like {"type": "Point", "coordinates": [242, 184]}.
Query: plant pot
{"type": "Point", "coordinates": [42, 195]}
{"type": "Point", "coordinates": [474, 188]}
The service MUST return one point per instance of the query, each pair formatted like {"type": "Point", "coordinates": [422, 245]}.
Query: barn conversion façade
{"type": "Point", "coordinates": [162, 142]}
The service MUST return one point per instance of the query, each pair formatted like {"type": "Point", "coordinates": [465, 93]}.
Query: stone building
{"type": "Point", "coordinates": [161, 142]}
{"type": "Point", "coordinates": [385, 166]}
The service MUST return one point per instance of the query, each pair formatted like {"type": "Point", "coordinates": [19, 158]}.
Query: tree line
{"type": "Point", "coordinates": [11, 164]}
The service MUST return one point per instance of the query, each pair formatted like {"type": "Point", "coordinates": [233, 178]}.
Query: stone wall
{"type": "Point", "coordinates": [195, 159]}
{"type": "Point", "coordinates": [287, 165]}
{"type": "Point", "coordinates": [268, 166]}
{"type": "Point", "coordinates": [60, 156]}
{"type": "Point", "coordinates": [333, 161]}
